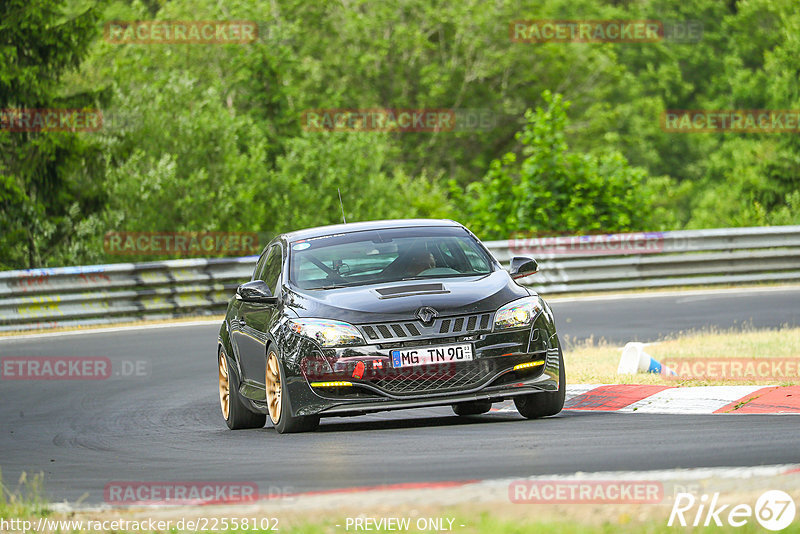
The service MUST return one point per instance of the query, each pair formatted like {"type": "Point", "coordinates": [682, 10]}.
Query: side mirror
{"type": "Point", "coordinates": [522, 266]}
{"type": "Point", "coordinates": [256, 291]}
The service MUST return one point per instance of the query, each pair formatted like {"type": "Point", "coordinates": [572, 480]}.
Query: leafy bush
{"type": "Point", "coordinates": [550, 189]}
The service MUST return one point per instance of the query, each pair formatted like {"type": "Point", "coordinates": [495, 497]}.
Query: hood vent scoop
{"type": "Point", "coordinates": [415, 289]}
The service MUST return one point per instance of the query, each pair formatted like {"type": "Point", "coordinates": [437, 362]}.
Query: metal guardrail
{"type": "Point", "coordinates": [102, 294]}
{"type": "Point", "coordinates": [658, 259]}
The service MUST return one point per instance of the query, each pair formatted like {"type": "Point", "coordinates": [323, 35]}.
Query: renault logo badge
{"type": "Point", "coordinates": [427, 314]}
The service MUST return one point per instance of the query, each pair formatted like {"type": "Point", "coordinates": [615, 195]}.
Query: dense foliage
{"type": "Point", "coordinates": [209, 137]}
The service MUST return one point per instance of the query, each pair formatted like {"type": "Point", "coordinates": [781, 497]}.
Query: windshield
{"type": "Point", "coordinates": [378, 256]}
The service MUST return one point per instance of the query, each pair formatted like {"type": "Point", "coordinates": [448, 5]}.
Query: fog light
{"type": "Point", "coordinates": [334, 384]}
{"type": "Point", "coordinates": [528, 365]}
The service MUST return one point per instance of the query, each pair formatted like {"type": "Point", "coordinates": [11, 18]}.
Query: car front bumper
{"type": "Point", "coordinates": [544, 382]}
{"type": "Point", "coordinates": [497, 353]}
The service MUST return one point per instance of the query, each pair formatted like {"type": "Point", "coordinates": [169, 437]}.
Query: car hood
{"type": "Point", "coordinates": [400, 300]}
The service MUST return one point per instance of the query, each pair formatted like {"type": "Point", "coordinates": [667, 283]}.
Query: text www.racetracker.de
{"type": "Point", "coordinates": [200, 524]}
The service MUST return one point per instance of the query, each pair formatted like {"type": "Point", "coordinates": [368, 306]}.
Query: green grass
{"type": "Point", "coordinates": [487, 523]}
{"type": "Point", "coordinates": [595, 362]}
{"type": "Point", "coordinates": [23, 500]}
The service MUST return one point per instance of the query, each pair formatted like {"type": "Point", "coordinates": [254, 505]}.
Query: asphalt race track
{"type": "Point", "coordinates": [165, 425]}
{"type": "Point", "coordinates": [646, 318]}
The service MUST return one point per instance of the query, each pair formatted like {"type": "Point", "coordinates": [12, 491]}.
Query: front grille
{"type": "Point", "coordinates": [422, 342]}
{"type": "Point", "coordinates": [441, 377]}
{"type": "Point", "coordinates": [443, 326]}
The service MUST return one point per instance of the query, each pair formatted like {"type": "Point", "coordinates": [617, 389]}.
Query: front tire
{"type": "Point", "coordinates": [546, 403]}
{"type": "Point", "coordinates": [280, 414]}
{"type": "Point", "coordinates": [233, 409]}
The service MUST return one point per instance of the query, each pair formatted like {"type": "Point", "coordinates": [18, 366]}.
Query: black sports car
{"type": "Point", "coordinates": [383, 315]}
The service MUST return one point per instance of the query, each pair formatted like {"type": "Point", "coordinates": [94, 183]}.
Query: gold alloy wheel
{"type": "Point", "coordinates": [273, 383]}
{"type": "Point", "coordinates": [224, 386]}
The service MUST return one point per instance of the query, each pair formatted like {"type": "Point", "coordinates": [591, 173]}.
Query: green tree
{"type": "Point", "coordinates": [301, 191]}
{"type": "Point", "coordinates": [548, 188]}
{"type": "Point", "coordinates": [208, 137]}
{"type": "Point", "coordinates": [49, 181]}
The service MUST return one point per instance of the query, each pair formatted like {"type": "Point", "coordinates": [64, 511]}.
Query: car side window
{"type": "Point", "coordinates": [271, 270]}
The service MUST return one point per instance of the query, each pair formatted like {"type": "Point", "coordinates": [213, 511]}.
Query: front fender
{"type": "Point", "coordinates": [291, 349]}
{"type": "Point", "coordinates": [224, 343]}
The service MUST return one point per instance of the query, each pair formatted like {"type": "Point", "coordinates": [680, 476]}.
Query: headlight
{"type": "Point", "coordinates": [517, 313]}
{"type": "Point", "coordinates": [326, 332]}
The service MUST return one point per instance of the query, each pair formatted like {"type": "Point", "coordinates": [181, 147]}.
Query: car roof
{"type": "Point", "coordinates": [310, 233]}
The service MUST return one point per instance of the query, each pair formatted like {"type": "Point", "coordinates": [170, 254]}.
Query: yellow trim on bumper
{"type": "Point", "coordinates": [528, 365]}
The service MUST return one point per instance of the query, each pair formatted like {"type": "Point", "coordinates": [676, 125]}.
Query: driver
{"type": "Point", "coordinates": [419, 260]}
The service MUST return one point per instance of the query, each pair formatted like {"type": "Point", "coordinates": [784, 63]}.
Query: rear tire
{"type": "Point", "coordinates": [280, 414]}
{"type": "Point", "coordinates": [546, 403]}
{"type": "Point", "coordinates": [472, 407]}
{"type": "Point", "coordinates": [234, 411]}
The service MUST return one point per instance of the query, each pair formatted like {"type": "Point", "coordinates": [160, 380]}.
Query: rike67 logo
{"type": "Point", "coordinates": [774, 510]}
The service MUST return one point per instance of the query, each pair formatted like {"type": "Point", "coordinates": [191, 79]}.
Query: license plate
{"type": "Point", "coordinates": [431, 355]}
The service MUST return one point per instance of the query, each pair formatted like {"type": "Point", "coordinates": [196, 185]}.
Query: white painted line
{"type": "Point", "coordinates": [111, 330]}
{"type": "Point", "coordinates": [695, 473]}
{"type": "Point", "coordinates": [690, 400]}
